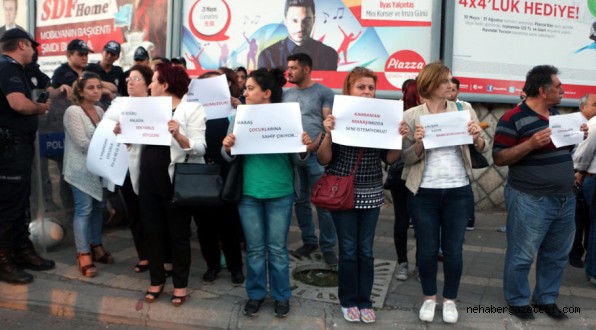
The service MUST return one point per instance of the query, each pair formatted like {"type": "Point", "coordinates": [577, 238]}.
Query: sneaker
{"type": "Point", "coordinates": [592, 280]}
{"type": "Point", "coordinates": [351, 314]}
{"type": "Point", "coordinates": [368, 315]}
{"type": "Point", "coordinates": [449, 311]}
{"type": "Point", "coordinates": [402, 272]}
{"type": "Point", "coordinates": [281, 308]}
{"type": "Point", "coordinates": [576, 262]}
{"type": "Point", "coordinates": [470, 225]}
{"type": "Point", "coordinates": [304, 251]}
{"type": "Point", "coordinates": [427, 310]}
{"type": "Point", "coordinates": [502, 229]}
{"type": "Point", "coordinates": [252, 306]}
{"type": "Point", "coordinates": [210, 275]}
{"type": "Point", "coordinates": [330, 258]}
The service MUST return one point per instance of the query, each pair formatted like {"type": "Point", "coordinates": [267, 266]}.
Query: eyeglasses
{"type": "Point", "coordinates": [136, 79]}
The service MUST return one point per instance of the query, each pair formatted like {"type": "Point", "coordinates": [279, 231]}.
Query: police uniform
{"type": "Point", "coordinates": [16, 156]}
{"type": "Point", "coordinates": [17, 135]}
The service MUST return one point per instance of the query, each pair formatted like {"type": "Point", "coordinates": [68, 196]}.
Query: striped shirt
{"type": "Point", "coordinates": [547, 171]}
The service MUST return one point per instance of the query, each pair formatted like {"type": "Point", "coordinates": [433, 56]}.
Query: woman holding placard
{"type": "Point", "coordinates": [80, 121]}
{"type": "Point", "coordinates": [266, 204]}
{"type": "Point", "coordinates": [356, 227]}
{"type": "Point", "coordinates": [137, 84]}
{"type": "Point", "coordinates": [439, 183]}
{"type": "Point", "coordinates": [164, 225]}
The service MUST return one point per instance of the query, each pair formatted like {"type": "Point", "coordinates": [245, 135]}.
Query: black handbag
{"type": "Point", "coordinates": [233, 185]}
{"type": "Point", "coordinates": [478, 160]}
{"type": "Point", "coordinates": [393, 175]}
{"type": "Point", "coordinates": [197, 184]}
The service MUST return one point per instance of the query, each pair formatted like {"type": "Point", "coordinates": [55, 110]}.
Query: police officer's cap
{"type": "Point", "coordinates": [112, 47]}
{"type": "Point", "coordinates": [18, 34]}
{"type": "Point", "coordinates": [141, 54]}
{"type": "Point", "coordinates": [78, 45]}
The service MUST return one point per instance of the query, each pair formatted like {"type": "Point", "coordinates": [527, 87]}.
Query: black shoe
{"type": "Point", "coordinates": [576, 262]}
{"type": "Point", "coordinates": [11, 273]}
{"type": "Point", "coordinates": [26, 257]}
{"type": "Point", "coordinates": [210, 275]}
{"type": "Point", "coordinates": [330, 258]}
{"type": "Point", "coordinates": [252, 306]}
{"type": "Point", "coordinates": [470, 225]}
{"type": "Point", "coordinates": [281, 308]}
{"type": "Point", "coordinates": [551, 310]}
{"type": "Point", "coordinates": [237, 277]}
{"type": "Point", "coordinates": [523, 312]}
{"type": "Point", "coordinates": [304, 251]}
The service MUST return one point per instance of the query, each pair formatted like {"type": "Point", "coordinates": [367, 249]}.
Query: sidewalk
{"type": "Point", "coordinates": [116, 294]}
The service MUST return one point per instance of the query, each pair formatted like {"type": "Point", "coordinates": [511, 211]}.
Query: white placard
{"type": "Point", "coordinates": [446, 129]}
{"type": "Point", "coordinates": [367, 122]}
{"type": "Point", "coordinates": [268, 129]}
{"type": "Point", "coordinates": [106, 157]}
{"type": "Point", "coordinates": [144, 120]}
{"type": "Point", "coordinates": [565, 129]}
{"type": "Point", "coordinates": [214, 94]}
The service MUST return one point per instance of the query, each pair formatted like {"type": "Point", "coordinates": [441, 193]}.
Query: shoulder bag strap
{"type": "Point", "coordinates": [358, 161]}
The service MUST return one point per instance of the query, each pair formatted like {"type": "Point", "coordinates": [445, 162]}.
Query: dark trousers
{"type": "Point", "coordinates": [402, 220]}
{"type": "Point", "coordinates": [167, 233]}
{"type": "Point", "coordinates": [215, 225]}
{"type": "Point", "coordinates": [15, 188]}
{"type": "Point", "coordinates": [440, 217]}
{"type": "Point", "coordinates": [133, 213]}
{"type": "Point", "coordinates": [582, 222]}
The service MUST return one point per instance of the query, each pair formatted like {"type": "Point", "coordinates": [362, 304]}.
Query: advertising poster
{"type": "Point", "coordinates": [392, 38]}
{"type": "Point", "coordinates": [497, 42]}
{"type": "Point", "coordinates": [13, 15]}
{"type": "Point", "coordinates": [132, 23]}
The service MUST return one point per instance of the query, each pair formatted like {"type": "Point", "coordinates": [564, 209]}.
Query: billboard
{"type": "Point", "coordinates": [493, 44]}
{"type": "Point", "coordinates": [13, 14]}
{"type": "Point", "coordinates": [394, 38]}
{"type": "Point", "coordinates": [132, 23]}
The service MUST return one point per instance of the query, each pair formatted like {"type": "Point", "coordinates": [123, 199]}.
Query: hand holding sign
{"type": "Point", "coordinates": [565, 129]}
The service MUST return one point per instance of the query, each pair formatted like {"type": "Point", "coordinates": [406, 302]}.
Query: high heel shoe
{"type": "Point", "coordinates": [139, 268]}
{"type": "Point", "coordinates": [88, 270]}
{"type": "Point", "coordinates": [177, 301]}
{"type": "Point", "coordinates": [152, 296]}
{"type": "Point", "coordinates": [104, 258]}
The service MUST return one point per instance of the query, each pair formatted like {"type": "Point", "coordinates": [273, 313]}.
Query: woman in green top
{"type": "Point", "coordinates": [266, 205]}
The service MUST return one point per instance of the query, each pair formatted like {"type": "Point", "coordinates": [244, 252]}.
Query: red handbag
{"type": "Point", "coordinates": [333, 192]}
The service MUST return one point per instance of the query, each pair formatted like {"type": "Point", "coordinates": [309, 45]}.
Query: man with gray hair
{"type": "Point", "coordinates": [538, 196]}
{"type": "Point", "coordinates": [299, 18]}
{"type": "Point", "coordinates": [585, 176]}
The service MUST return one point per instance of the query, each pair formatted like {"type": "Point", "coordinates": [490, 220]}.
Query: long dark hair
{"type": "Point", "coordinates": [79, 85]}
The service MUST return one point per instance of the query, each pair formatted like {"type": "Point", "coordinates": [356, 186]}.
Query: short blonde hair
{"type": "Point", "coordinates": [431, 77]}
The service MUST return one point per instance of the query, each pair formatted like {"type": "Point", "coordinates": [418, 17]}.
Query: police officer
{"type": "Point", "coordinates": [109, 73]}
{"type": "Point", "coordinates": [18, 124]}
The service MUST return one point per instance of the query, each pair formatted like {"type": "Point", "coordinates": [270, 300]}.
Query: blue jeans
{"type": "Point", "coordinates": [266, 223]}
{"type": "Point", "coordinates": [440, 217]}
{"type": "Point", "coordinates": [87, 221]}
{"type": "Point", "coordinates": [588, 189]}
{"type": "Point", "coordinates": [356, 233]}
{"type": "Point", "coordinates": [542, 226]}
{"type": "Point", "coordinates": [309, 174]}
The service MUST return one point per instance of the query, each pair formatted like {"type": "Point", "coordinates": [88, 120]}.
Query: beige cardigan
{"type": "Point", "coordinates": [414, 165]}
